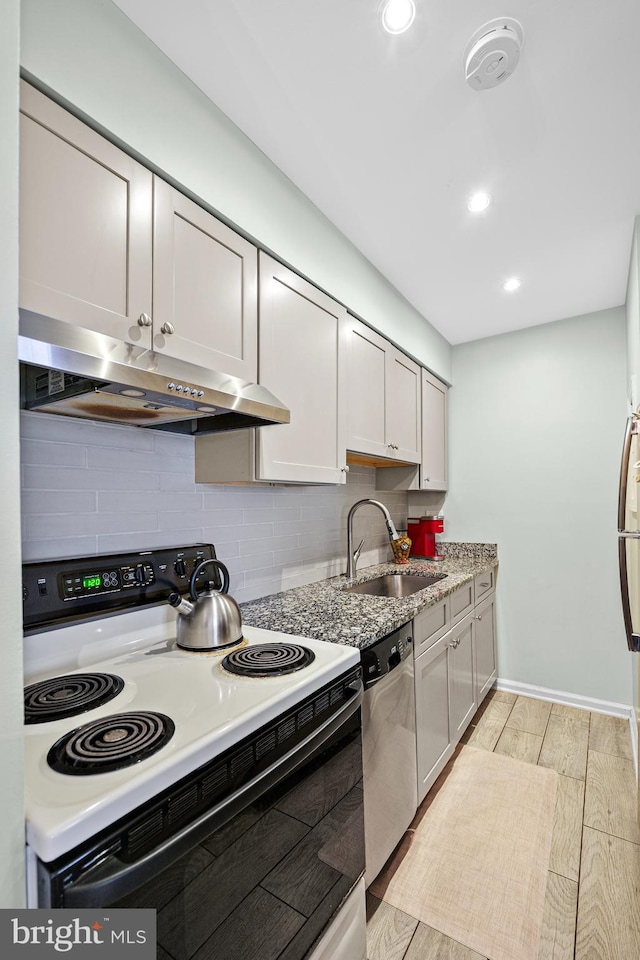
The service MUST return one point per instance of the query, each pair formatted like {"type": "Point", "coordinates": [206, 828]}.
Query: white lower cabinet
{"type": "Point", "coordinates": [462, 691]}
{"type": "Point", "coordinates": [485, 646]}
{"type": "Point", "coordinates": [433, 740]}
{"type": "Point", "coordinates": [453, 673]}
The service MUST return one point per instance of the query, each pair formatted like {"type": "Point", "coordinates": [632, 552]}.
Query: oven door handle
{"type": "Point", "coordinates": [110, 880]}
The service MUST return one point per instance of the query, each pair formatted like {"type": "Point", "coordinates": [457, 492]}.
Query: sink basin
{"type": "Point", "coordinates": [396, 584]}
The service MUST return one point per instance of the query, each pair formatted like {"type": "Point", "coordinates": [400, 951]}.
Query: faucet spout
{"type": "Point", "coordinates": [352, 557]}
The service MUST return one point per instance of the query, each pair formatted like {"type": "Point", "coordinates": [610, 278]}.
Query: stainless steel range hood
{"type": "Point", "coordinates": [75, 372]}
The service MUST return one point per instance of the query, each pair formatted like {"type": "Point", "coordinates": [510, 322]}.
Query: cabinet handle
{"type": "Point", "coordinates": [455, 643]}
{"type": "Point", "coordinates": [167, 328]}
{"type": "Point", "coordinates": [479, 617]}
{"type": "Point", "coordinates": [345, 469]}
{"type": "Point", "coordinates": [144, 320]}
{"type": "Point", "coordinates": [427, 480]}
{"type": "Point", "coordinates": [485, 584]}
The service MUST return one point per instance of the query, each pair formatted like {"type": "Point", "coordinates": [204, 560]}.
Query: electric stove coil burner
{"type": "Point", "coordinates": [111, 743]}
{"type": "Point", "coordinates": [268, 660]}
{"type": "Point", "coordinates": [67, 696]}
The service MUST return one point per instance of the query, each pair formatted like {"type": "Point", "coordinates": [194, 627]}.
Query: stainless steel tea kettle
{"type": "Point", "coordinates": [210, 619]}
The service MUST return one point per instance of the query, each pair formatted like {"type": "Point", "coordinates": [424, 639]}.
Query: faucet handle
{"type": "Point", "coordinates": [358, 551]}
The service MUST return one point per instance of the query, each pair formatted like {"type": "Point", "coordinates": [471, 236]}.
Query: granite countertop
{"type": "Point", "coordinates": [324, 611]}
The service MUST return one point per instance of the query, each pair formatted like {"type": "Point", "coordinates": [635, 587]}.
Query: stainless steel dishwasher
{"type": "Point", "coordinates": [388, 746]}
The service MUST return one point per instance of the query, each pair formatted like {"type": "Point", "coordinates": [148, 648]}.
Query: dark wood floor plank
{"type": "Point", "coordinates": [312, 799]}
{"type": "Point", "coordinates": [157, 893]}
{"type": "Point", "coordinates": [190, 918]}
{"type": "Point", "coordinates": [262, 926]}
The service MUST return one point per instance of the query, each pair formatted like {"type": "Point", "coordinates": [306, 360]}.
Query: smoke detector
{"type": "Point", "coordinates": [492, 53]}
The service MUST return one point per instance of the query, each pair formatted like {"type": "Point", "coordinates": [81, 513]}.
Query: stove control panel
{"type": "Point", "coordinates": [56, 591]}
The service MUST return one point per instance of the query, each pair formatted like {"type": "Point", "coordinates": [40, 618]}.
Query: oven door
{"type": "Point", "coordinates": [262, 873]}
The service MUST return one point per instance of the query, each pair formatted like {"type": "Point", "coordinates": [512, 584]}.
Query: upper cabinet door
{"type": "Point", "coordinates": [303, 338]}
{"type": "Point", "coordinates": [85, 224]}
{"type": "Point", "coordinates": [403, 406]}
{"type": "Point", "coordinates": [204, 287]}
{"type": "Point", "coordinates": [367, 390]}
{"type": "Point", "coordinates": [384, 397]}
{"type": "Point", "coordinates": [434, 433]}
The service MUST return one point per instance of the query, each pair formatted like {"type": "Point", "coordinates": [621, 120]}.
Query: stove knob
{"type": "Point", "coordinates": [180, 567]}
{"type": "Point", "coordinates": [140, 574]}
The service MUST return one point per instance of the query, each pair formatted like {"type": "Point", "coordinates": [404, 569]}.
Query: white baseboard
{"type": "Point", "coordinates": [634, 743]}
{"type": "Point", "coordinates": [569, 699]}
{"type": "Point", "coordinates": [622, 710]}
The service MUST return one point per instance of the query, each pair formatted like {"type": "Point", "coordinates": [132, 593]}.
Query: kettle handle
{"type": "Point", "coordinates": [221, 567]}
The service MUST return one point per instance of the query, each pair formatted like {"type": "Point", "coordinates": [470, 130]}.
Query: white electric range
{"type": "Point", "coordinates": [146, 762]}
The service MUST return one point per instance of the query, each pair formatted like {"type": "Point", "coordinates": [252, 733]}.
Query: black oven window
{"type": "Point", "coordinates": [266, 884]}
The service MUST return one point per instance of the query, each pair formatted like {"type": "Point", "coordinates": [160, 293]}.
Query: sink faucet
{"type": "Point", "coordinates": [352, 556]}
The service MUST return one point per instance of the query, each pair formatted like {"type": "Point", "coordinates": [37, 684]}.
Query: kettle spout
{"type": "Point", "coordinates": [185, 607]}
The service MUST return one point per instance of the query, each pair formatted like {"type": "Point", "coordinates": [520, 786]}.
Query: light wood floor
{"type": "Point", "coordinates": [592, 910]}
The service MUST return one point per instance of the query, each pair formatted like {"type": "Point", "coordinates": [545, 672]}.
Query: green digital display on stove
{"type": "Point", "coordinates": [90, 583]}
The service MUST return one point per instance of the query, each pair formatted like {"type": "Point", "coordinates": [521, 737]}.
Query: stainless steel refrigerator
{"type": "Point", "coordinates": [629, 550]}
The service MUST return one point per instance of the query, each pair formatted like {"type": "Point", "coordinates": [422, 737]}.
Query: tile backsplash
{"type": "Point", "coordinates": [91, 488]}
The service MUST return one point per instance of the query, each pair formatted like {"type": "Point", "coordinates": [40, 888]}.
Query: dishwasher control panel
{"type": "Point", "coordinates": [386, 654]}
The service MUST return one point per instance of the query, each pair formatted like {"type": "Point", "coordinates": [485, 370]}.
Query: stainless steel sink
{"type": "Point", "coordinates": [396, 584]}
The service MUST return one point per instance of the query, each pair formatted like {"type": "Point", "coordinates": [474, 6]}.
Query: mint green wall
{"type": "Point", "coordinates": [89, 53]}
{"type": "Point", "coordinates": [632, 307]}
{"type": "Point", "coordinates": [11, 805]}
{"type": "Point", "coordinates": [536, 427]}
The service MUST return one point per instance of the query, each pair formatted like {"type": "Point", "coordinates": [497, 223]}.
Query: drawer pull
{"type": "Point", "coordinates": [486, 584]}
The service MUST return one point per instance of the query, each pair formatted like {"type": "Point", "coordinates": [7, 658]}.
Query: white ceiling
{"type": "Point", "coordinates": [385, 136]}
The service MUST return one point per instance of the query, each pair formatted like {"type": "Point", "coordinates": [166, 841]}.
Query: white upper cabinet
{"type": "Point", "coordinates": [85, 224]}
{"type": "Point", "coordinates": [434, 433]}
{"type": "Point", "coordinates": [303, 340]}
{"type": "Point", "coordinates": [109, 246]}
{"type": "Point", "coordinates": [205, 280]}
{"type": "Point", "coordinates": [383, 397]}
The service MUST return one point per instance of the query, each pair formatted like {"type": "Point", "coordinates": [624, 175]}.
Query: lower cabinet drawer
{"type": "Point", "coordinates": [429, 625]}
{"type": "Point", "coordinates": [461, 602]}
{"type": "Point", "coordinates": [483, 583]}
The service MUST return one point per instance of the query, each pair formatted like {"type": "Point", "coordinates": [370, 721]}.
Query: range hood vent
{"type": "Point", "coordinates": [75, 372]}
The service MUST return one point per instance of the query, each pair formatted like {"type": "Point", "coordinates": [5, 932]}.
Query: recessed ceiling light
{"type": "Point", "coordinates": [511, 284]}
{"type": "Point", "coordinates": [479, 202]}
{"type": "Point", "coordinates": [398, 15]}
